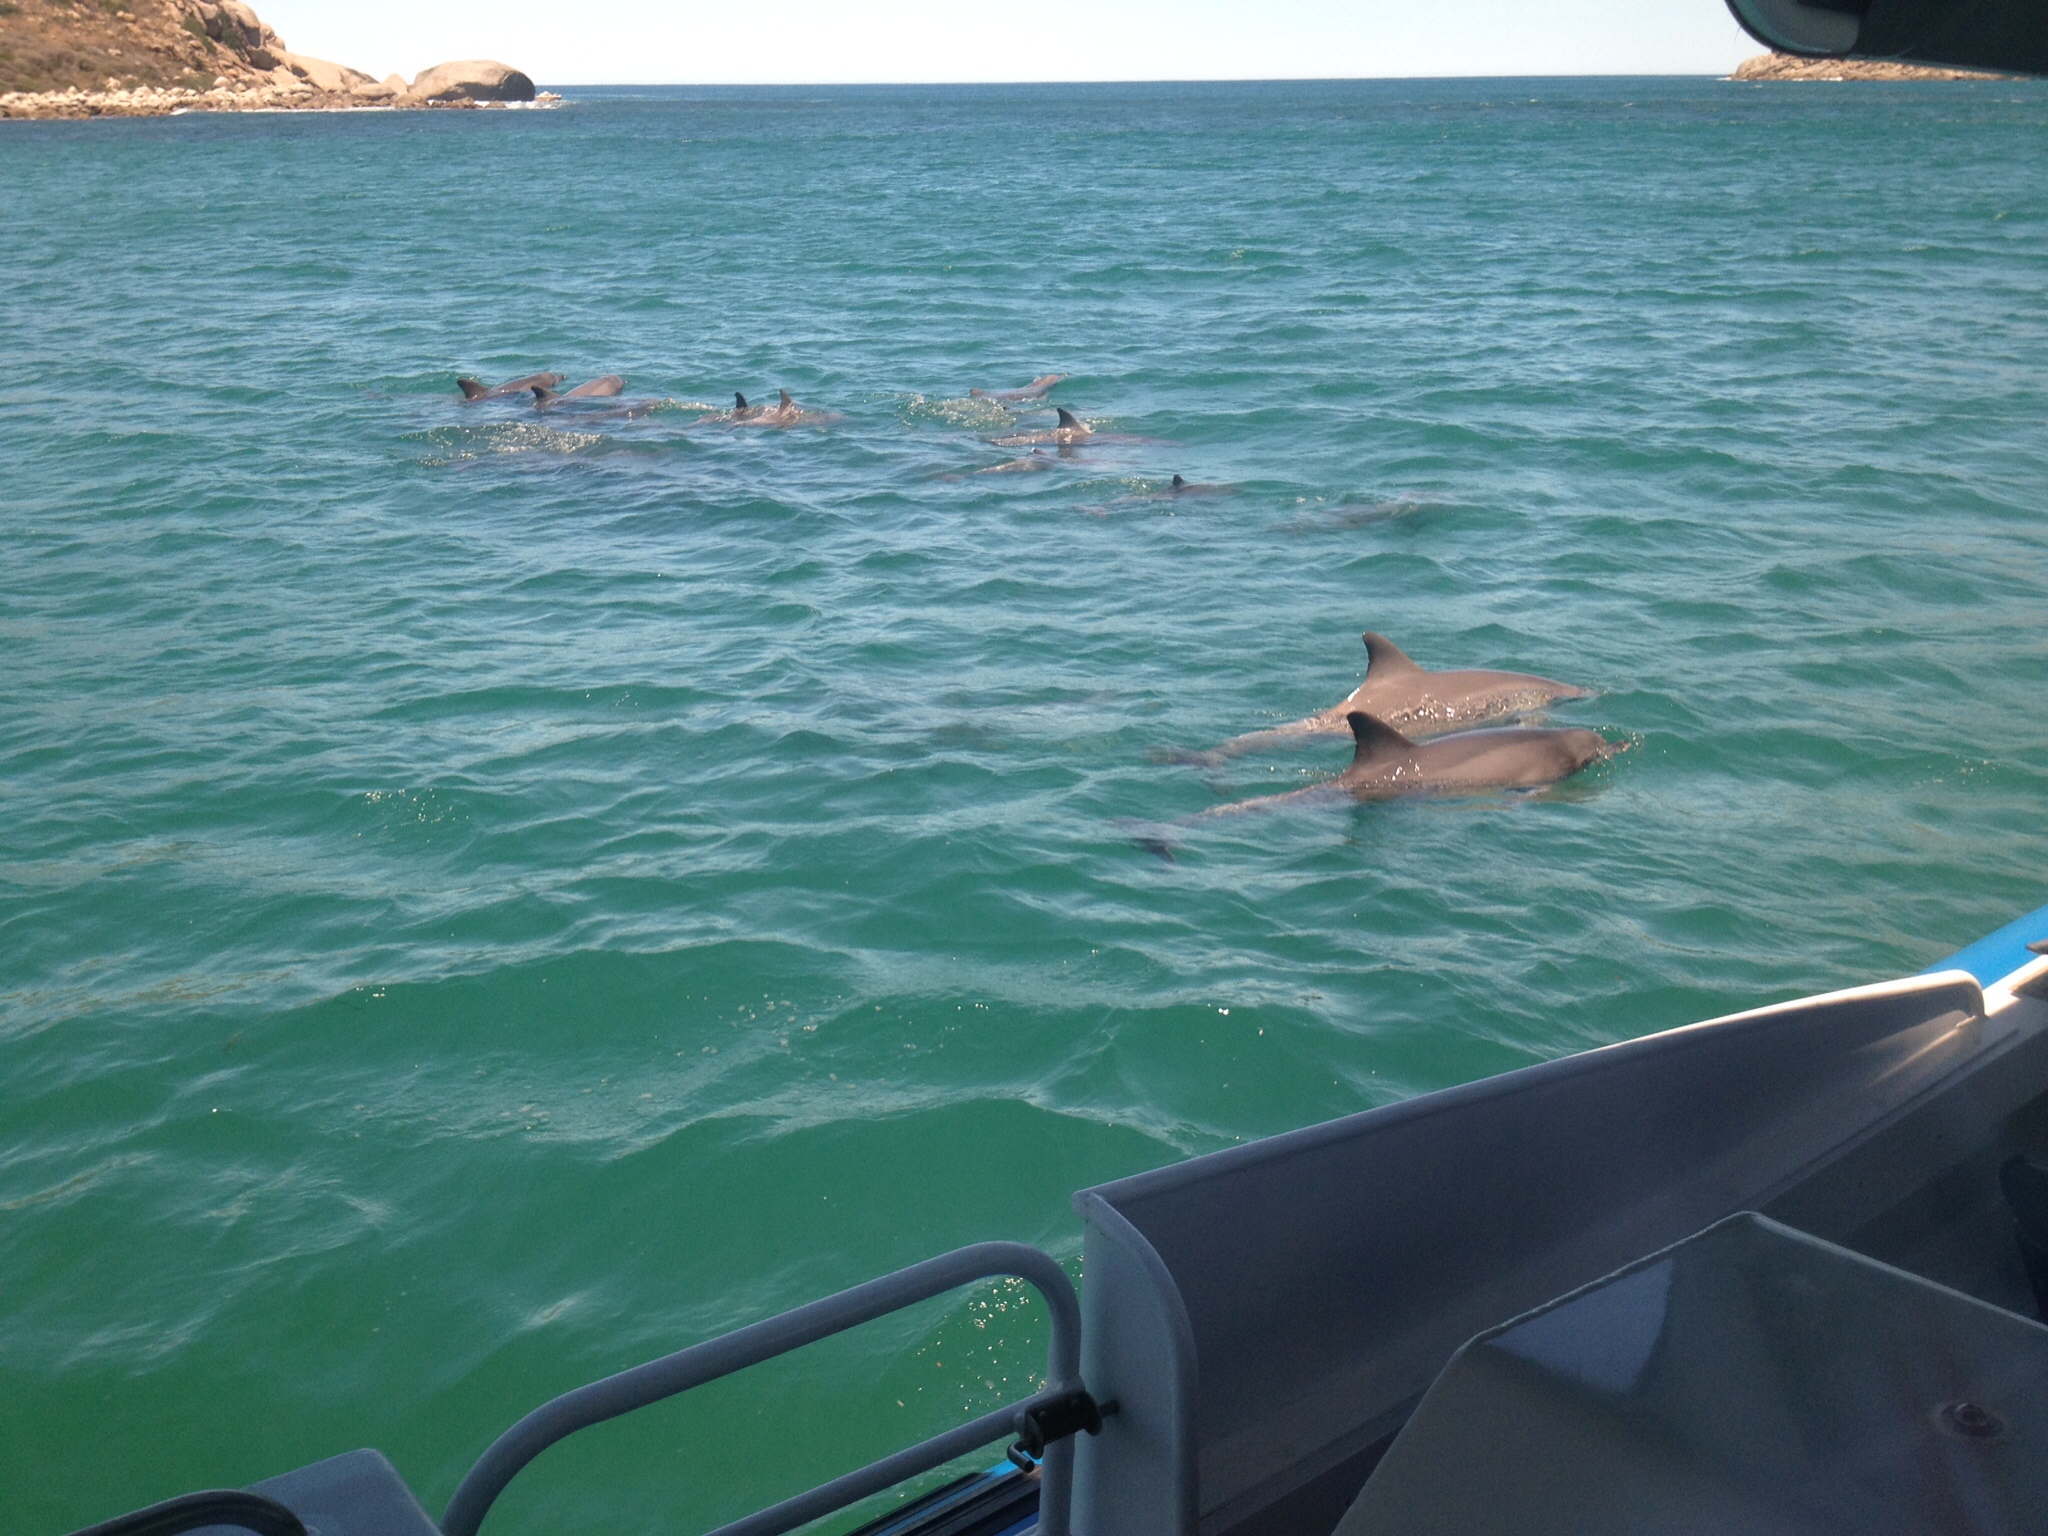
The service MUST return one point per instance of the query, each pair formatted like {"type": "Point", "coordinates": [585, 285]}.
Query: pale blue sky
{"type": "Point", "coordinates": [810, 41]}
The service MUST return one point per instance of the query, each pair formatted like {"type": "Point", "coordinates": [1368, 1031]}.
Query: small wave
{"type": "Point", "coordinates": [964, 413]}
{"type": "Point", "coordinates": [496, 439]}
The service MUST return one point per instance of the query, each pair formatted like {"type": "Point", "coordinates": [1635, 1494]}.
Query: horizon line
{"type": "Point", "coordinates": [700, 85]}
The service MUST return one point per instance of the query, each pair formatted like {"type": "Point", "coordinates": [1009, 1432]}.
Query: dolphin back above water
{"type": "Point", "coordinates": [608, 387]}
{"type": "Point", "coordinates": [1071, 429]}
{"type": "Point", "coordinates": [474, 389]}
{"type": "Point", "coordinates": [1387, 764]}
{"type": "Point", "coordinates": [1037, 389]}
{"type": "Point", "coordinates": [1411, 699]}
{"type": "Point", "coordinates": [784, 413]}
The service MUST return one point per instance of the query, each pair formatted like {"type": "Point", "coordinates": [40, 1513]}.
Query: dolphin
{"type": "Point", "coordinates": [1037, 389]}
{"type": "Point", "coordinates": [1180, 486]}
{"type": "Point", "coordinates": [597, 389]}
{"type": "Point", "coordinates": [1387, 765]}
{"type": "Point", "coordinates": [785, 413]}
{"type": "Point", "coordinates": [1356, 514]}
{"type": "Point", "coordinates": [473, 390]}
{"type": "Point", "coordinates": [743, 414]}
{"type": "Point", "coordinates": [1409, 699]}
{"type": "Point", "coordinates": [1072, 429]}
{"type": "Point", "coordinates": [1032, 462]}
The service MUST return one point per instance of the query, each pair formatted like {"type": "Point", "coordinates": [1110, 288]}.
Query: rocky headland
{"type": "Point", "coordinates": [1786, 66]}
{"type": "Point", "coordinates": [146, 58]}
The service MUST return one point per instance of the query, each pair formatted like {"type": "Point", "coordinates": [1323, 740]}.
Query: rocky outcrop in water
{"type": "Point", "coordinates": [141, 58]}
{"type": "Point", "coordinates": [1786, 66]}
{"type": "Point", "coordinates": [472, 80]}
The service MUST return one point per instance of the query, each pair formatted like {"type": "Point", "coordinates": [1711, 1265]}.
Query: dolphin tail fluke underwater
{"type": "Point", "coordinates": [1189, 757]}
{"type": "Point", "coordinates": [1293, 733]}
{"type": "Point", "coordinates": [1156, 838]}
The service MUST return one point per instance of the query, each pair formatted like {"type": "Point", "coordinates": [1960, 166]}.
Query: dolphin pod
{"type": "Point", "coordinates": [1410, 699]}
{"type": "Point", "coordinates": [1415, 732]}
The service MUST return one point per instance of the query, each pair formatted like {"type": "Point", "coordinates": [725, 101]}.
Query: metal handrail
{"type": "Point", "coordinates": [735, 1351]}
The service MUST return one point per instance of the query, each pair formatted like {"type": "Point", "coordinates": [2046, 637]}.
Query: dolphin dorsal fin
{"type": "Point", "coordinates": [1383, 658]}
{"type": "Point", "coordinates": [1069, 420]}
{"type": "Point", "coordinates": [1179, 484]}
{"type": "Point", "coordinates": [786, 401]}
{"type": "Point", "coordinates": [471, 389]}
{"type": "Point", "coordinates": [1375, 738]}
{"type": "Point", "coordinates": [542, 395]}
{"type": "Point", "coordinates": [739, 401]}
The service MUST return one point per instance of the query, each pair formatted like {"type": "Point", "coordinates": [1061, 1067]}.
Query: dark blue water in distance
{"type": "Point", "coordinates": [489, 897]}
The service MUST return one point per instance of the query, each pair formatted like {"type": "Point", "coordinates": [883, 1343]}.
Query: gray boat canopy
{"type": "Point", "coordinates": [2007, 36]}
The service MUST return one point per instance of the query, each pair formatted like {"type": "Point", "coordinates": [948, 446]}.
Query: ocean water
{"type": "Point", "coordinates": [489, 897]}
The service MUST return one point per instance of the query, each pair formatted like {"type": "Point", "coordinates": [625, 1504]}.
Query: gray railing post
{"type": "Point", "coordinates": [735, 1351]}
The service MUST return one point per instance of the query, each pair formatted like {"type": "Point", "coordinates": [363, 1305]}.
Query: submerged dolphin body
{"type": "Point", "coordinates": [474, 390]}
{"type": "Point", "coordinates": [1031, 463]}
{"type": "Point", "coordinates": [1410, 699]}
{"type": "Point", "coordinates": [605, 388]}
{"type": "Point", "coordinates": [1181, 486]}
{"type": "Point", "coordinates": [1037, 389]}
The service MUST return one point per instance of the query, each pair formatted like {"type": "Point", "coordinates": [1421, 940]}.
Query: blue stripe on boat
{"type": "Point", "coordinates": [1998, 955]}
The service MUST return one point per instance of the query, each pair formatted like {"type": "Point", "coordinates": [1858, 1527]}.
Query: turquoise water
{"type": "Point", "coordinates": [488, 898]}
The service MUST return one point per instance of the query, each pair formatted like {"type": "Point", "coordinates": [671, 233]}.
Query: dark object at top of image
{"type": "Point", "coordinates": [2003, 35]}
